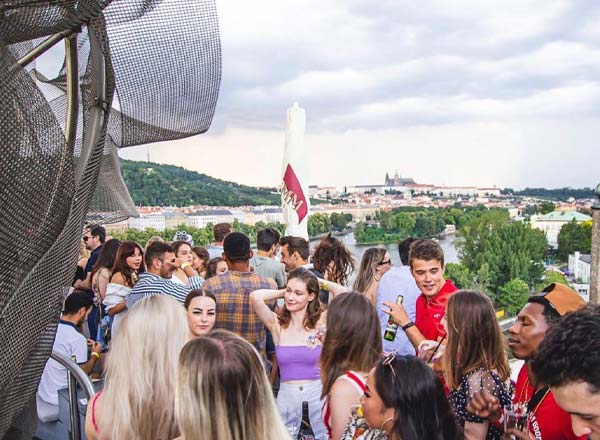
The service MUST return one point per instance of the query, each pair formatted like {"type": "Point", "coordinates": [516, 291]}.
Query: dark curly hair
{"type": "Point", "coordinates": [570, 352]}
{"type": "Point", "coordinates": [333, 260]}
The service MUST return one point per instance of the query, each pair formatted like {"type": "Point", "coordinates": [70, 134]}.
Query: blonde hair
{"type": "Point", "coordinates": [139, 390]}
{"type": "Point", "coordinates": [223, 392]}
{"type": "Point", "coordinates": [368, 266]}
{"type": "Point", "coordinates": [153, 239]}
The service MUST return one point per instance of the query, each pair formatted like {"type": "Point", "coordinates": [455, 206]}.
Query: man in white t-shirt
{"type": "Point", "coordinates": [69, 342]}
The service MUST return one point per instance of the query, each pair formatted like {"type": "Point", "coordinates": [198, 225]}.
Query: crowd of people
{"type": "Point", "coordinates": [225, 342]}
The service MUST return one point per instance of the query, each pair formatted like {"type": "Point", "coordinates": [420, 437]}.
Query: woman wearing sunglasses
{"type": "Point", "coordinates": [403, 400]}
{"type": "Point", "coordinates": [375, 262]}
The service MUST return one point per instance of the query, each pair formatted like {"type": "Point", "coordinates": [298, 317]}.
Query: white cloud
{"type": "Point", "coordinates": [456, 92]}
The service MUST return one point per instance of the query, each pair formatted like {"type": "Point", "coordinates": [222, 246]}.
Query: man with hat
{"type": "Point", "coordinates": [542, 418]}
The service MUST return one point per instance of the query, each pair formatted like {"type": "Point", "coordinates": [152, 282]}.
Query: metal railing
{"type": "Point", "coordinates": [75, 375]}
{"type": "Point", "coordinates": [507, 323]}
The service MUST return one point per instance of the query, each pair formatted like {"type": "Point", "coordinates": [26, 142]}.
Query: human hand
{"type": "Point", "coordinates": [483, 404]}
{"type": "Point", "coordinates": [397, 312]}
{"type": "Point", "coordinates": [515, 433]}
{"type": "Point", "coordinates": [96, 347]}
{"type": "Point", "coordinates": [430, 351]}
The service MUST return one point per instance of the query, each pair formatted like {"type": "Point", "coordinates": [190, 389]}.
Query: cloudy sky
{"type": "Point", "coordinates": [466, 92]}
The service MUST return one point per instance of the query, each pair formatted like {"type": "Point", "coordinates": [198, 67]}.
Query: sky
{"type": "Point", "coordinates": [469, 92]}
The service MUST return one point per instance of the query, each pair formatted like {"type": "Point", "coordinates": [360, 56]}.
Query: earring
{"type": "Point", "coordinates": [389, 419]}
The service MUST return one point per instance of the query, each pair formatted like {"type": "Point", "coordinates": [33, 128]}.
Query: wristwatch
{"type": "Point", "coordinates": [408, 325]}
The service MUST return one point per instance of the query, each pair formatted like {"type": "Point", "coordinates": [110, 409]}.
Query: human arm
{"type": "Point", "coordinates": [486, 384]}
{"type": "Point", "coordinates": [342, 398]}
{"type": "Point", "coordinates": [259, 299]}
{"type": "Point", "coordinates": [88, 366]}
{"type": "Point", "coordinates": [187, 268]}
{"type": "Point", "coordinates": [84, 284]}
{"type": "Point", "coordinates": [116, 309]}
{"type": "Point", "coordinates": [400, 317]}
{"type": "Point", "coordinates": [334, 289]}
{"type": "Point", "coordinates": [476, 431]}
{"type": "Point", "coordinates": [514, 433]}
{"type": "Point", "coordinates": [485, 405]}
{"type": "Point", "coordinates": [102, 282]}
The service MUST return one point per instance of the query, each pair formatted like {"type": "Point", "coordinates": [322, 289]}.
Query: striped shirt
{"type": "Point", "coordinates": [150, 284]}
{"type": "Point", "coordinates": [234, 312]}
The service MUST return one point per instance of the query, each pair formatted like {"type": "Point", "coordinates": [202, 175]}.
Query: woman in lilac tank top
{"type": "Point", "coordinates": [295, 333]}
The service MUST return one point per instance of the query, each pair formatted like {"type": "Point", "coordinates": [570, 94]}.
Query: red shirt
{"type": "Point", "coordinates": [547, 421]}
{"type": "Point", "coordinates": [429, 314]}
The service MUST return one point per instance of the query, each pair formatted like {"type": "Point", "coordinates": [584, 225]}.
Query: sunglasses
{"type": "Point", "coordinates": [381, 263]}
{"type": "Point", "coordinates": [387, 361]}
{"type": "Point", "coordinates": [86, 238]}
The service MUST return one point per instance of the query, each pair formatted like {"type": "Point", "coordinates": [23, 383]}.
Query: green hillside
{"type": "Point", "coordinates": [152, 184]}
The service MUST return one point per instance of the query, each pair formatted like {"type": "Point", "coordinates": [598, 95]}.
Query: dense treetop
{"type": "Point", "coordinates": [152, 184]}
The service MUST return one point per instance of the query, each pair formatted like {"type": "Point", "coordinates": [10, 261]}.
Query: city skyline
{"type": "Point", "coordinates": [465, 93]}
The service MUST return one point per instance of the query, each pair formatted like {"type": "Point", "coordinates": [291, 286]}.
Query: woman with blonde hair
{"type": "Point", "coordinates": [351, 347]}
{"type": "Point", "coordinates": [374, 263]}
{"type": "Point", "coordinates": [223, 392]}
{"type": "Point", "coordinates": [140, 378]}
{"type": "Point", "coordinates": [475, 359]}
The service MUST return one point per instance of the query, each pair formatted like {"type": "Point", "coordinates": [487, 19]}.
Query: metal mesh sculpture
{"type": "Point", "coordinates": [135, 72]}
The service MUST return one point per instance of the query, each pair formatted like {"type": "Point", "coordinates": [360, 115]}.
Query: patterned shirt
{"type": "Point", "coordinates": [234, 312]}
{"type": "Point", "coordinates": [150, 284]}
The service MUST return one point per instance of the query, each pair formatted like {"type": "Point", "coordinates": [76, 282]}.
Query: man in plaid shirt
{"type": "Point", "coordinates": [232, 290]}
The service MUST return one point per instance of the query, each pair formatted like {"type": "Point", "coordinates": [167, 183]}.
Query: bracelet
{"type": "Point", "coordinates": [408, 325]}
{"type": "Point", "coordinates": [185, 264]}
{"type": "Point", "coordinates": [95, 354]}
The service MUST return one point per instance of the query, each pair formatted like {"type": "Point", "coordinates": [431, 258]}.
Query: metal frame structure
{"type": "Point", "coordinates": [75, 376]}
{"type": "Point", "coordinates": [92, 137]}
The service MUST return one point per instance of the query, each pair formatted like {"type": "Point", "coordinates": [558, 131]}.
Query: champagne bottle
{"type": "Point", "coordinates": [306, 432]}
{"type": "Point", "coordinates": [392, 327]}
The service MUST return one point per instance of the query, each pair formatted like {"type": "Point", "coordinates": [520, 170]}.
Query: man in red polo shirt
{"type": "Point", "coordinates": [427, 267]}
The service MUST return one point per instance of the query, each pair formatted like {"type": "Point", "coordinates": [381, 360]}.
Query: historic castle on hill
{"type": "Point", "coordinates": [397, 180]}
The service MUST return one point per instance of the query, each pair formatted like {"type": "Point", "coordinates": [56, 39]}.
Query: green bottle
{"type": "Point", "coordinates": [392, 327]}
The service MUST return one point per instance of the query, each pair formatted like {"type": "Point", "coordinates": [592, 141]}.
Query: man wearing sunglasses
{"type": "Point", "coordinates": [160, 264]}
{"type": "Point", "coordinates": [93, 238]}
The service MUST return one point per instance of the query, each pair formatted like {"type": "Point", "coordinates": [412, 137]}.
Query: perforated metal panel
{"type": "Point", "coordinates": [162, 70]}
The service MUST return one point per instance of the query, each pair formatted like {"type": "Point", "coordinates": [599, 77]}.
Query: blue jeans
{"type": "Point", "coordinates": [93, 319]}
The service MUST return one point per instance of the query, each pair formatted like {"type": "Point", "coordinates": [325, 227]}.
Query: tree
{"type": "Point", "coordinates": [509, 249]}
{"type": "Point", "coordinates": [573, 237]}
{"type": "Point", "coordinates": [547, 207]}
{"type": "Point", "coordinates": [460, 275]}
{"type": "Point", "coordinates": [513, 296]}
{"type": "Point", "coordinates": [551, 276]}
